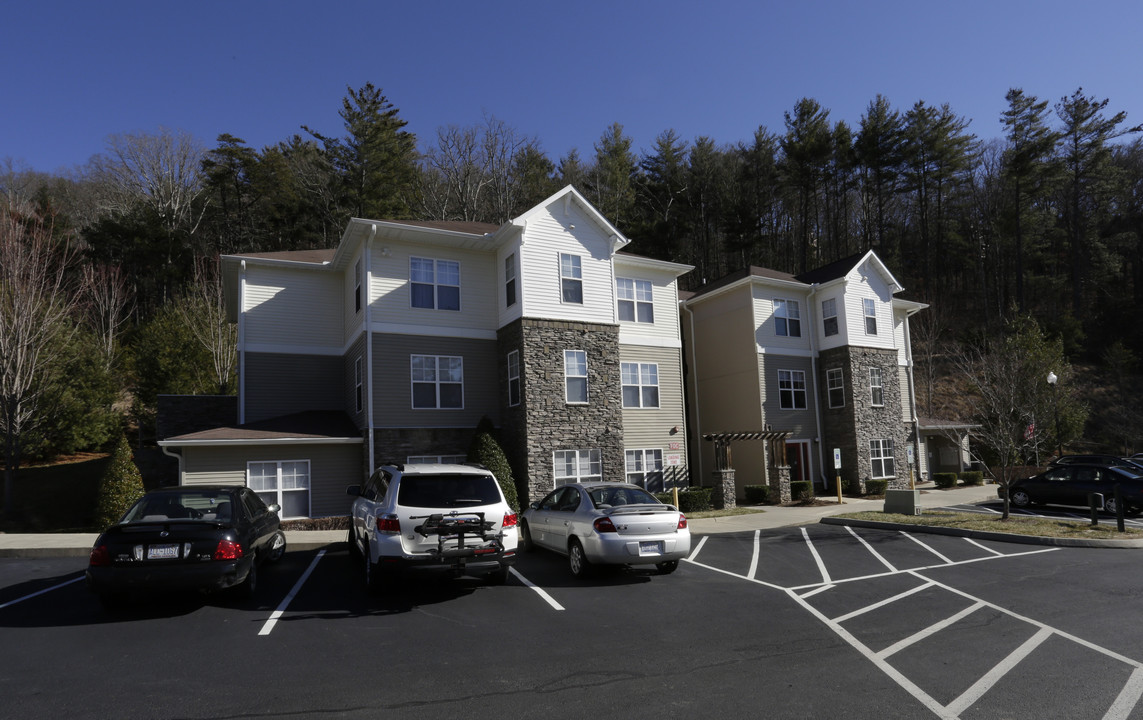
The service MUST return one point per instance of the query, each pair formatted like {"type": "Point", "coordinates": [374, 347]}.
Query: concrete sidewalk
{"type": "Point", "coordinates": [771, 516]}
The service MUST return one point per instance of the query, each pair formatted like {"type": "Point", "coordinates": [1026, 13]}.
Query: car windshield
{"type": "Point", "coordinates": [206, 505]}
{"type": "Point", "coordinates": [437, 491]}
{"type": "Point", "coordinates": [614, 496]}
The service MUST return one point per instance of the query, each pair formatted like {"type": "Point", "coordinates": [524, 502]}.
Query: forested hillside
{"type": "Point", "coordinates": [1037, 213]}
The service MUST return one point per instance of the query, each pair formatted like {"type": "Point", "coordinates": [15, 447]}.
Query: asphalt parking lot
{"type": "Point", "coordinates": [796, 622]}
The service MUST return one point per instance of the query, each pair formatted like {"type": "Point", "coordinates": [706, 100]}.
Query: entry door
{"type": "Point", "coordinates": [798, 456]}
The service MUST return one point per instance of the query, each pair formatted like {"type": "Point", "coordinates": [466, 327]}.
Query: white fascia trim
{"type": "Point", "coordinates": [677, 269]}
{"type": "Point", "coordinates": [276, 349]}
{"type": "Point", "coordinates": [468, 333]}
{"type": "Point", "coordinates": [786, 352]}
{"type": "Point", "coordinates": [649, 341]}
{"type": "Point", "coordinates": [278, 261]}
{"type": "Point", "coordinates": [752, 281]}
{"type": "Point", "coordinates": [266, 441]}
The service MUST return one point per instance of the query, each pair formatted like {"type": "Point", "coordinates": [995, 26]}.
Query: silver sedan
{"type": "Point", "coordinates": [607, 523]}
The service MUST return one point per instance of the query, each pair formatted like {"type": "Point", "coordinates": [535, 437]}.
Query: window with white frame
{"type": "Point", "coordinates": [876, 391]}
{"type": "Point", "coordinates": [510, 280]}
{"type": "Point", "coordinates": [358, 385]}
{"type": "Point", "coordinates": [640, 384]}
{"type": "Point", "coordinates": [434, 284]}
{"type": "Point", "coordinates": [636, 300]}
{"type": "Point", "coordinates": [829, 317]}
{"type": "Point", "coordinates": [514, 378]}
{"type": "Point", "coordinates": [285, 482]}
{"type": "Point", "coordinates": [835, 387]}
{"type": "Point", "coordinates": [575, 376]}
{"type": "Point", "coordinates": [577, 466]}
{"type": "Point", "coordinates": [792, 389]}
{"type": "Point", "coordinates": [571, 279]}
{"type": "Point", "coordinates": [438, 382]}
{"type": "Point", "coordinates": [787, 318]}
{"type": "Point", "coordinates": [881, 458]}
{"type": "Point", "coordinates": [645, 469]}
{"type": "Point", "coordinates": [357, 287]}
{"type": "Point", "coordinates": [436, 459]}
{"type": "Point", "coordinates": [869, 308]}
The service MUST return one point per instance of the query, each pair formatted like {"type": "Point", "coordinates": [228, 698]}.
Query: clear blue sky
{"type": "Point", "coordinates": [76, 72]}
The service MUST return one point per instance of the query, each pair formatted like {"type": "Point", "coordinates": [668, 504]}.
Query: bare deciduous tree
{"type": "Point", "coordinates": [203, 310]}
{"type": "Point", "coordinates": [37, 302]}
{"type": "Point", "coordinates": [110, 304]}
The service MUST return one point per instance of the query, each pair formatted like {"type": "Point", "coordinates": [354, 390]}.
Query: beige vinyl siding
{"type": "Point", "coordinates": [838, 339]}
{"type": "Point", "coordinates": [550, 233]}
{"type": "Point", "coordinates": [651, 427]}
{"type": "Point", "coordinates": [392, 383]}
{"type": "Point", "coordinates": [282, 384]}
{"type": "Point", "coordinates": [900, 323]}
{"type": "Point", "coordinates": [332, 468]}
{"type": "Point", "coordinates": [391, 296]}
{"type": "Point", "coordinates": [872, 287]}
{"type": "Point", "coordinates": [906, 393]}
{"type": "Point", "coordinates": [508, 314]}
{"type": "Point", "coordinates": [664, 298]}
{"type": "Point", "coordinates": [293, 308]}
{"type": "Point", "coordinates": [766, 335]}
{"type": "Point", "coordinates": [354, 319]}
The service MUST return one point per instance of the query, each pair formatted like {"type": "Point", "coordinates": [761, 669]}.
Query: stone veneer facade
{"type": "Point", "coordinates": [852, 426]}
{"type": "Point", "coordinates": [544, 422]}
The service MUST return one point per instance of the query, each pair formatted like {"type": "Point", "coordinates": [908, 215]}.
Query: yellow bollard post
{"type": "Point", "coordinates": [839, 500]}
{"type": "Point", "coordinates": [675, 496]}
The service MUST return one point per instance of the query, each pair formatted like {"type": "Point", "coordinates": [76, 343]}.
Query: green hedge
{"type": "Point", "coordinates": [757, 494]}
{"type": "Point", "coordinates": [945, 480]}
{"type": "Point", "coordinates": [972, 477]}
{"type": "Point", "coordinates": [690, 499]}
{"type": "Point", "coordinates": [801, 490]}
{"type": "Point", "coordinates": [876, 487]}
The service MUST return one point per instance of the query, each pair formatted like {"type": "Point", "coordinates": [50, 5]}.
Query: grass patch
{"type": "Point", "coordinates": [1039, 527]}
{"type": "Point", "coordinates": [704, 514]}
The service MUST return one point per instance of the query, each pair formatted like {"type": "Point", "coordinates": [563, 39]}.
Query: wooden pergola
{"type": "Point", "coordinates": [776, 438]}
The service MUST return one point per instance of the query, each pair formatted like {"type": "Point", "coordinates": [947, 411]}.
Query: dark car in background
{"type": "Point", "coordinates": [190, 538]}
{"type": "Point", "coordinates": [1134, 465]}
{"type": "Point", "coordinates": [1071, 483]}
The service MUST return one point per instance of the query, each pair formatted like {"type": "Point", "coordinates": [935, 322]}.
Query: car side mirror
{"type": "Point", "coordinates": [353, 490]}
{"type": "Point", "coordinates": [535, 506]}
{"type": "Point", "coordinates": [275, 508]}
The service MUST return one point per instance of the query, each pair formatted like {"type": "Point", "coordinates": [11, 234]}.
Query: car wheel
{"type": "Point", "coordinates": [577, 560]}
{"type": "Point", "coordinates": [354, 551]}
{"type": "Point", "coordinates": [277, 547]}
{"type": "Point", "coordinates": [1109, 504]}
{"type": "Point", "coordinates": [499, 577]}
{"type": "Point", "coordinates": [666, 568]}
{"type": "Point", "coordinates": [525, 544]}
{"type": "Point", "coordinates": [1020, 498]}
{"type": "Point", "coordinates": [245, 589]}
{"type": "Point", "coordinates": [372, 576]}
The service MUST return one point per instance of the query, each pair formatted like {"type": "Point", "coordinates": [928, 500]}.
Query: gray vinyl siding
{"type": "Point", "coordinates": [357, 350]}
{"type": "Point", "coordinates": [392, 383]}
{"type": "Point", "coordinates": [800, 422]}
{"type": "Point", "coordinates": [285, 383]}
{"type": "Point", "coordinates": [332, 468]}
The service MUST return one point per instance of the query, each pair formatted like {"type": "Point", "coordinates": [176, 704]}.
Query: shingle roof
{"type": "Point", "coordinates": [313, 424]}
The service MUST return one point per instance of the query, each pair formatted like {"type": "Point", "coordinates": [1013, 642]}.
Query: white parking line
{"type": "Point", "coordinates": [821, 588]}
{"type": "Point", "coordinates": [942, 557]}
{"type": "Point", "coordinates": [882, 603]}
{"type": "Point", "coordinates": [695, 552]}
{"type": "Point", "coordinates": [41, 592]}
{"type": "Point", "coordinates": [986, 549]}
{"type": "Point", "coordinates": [1128, 697]}
{"type": "Point", "coordinates": [993, 676]}
{"type": "Point", "coordinates": [539, 591]}
{"type": "Point", "coordinates": [754, 558]}
{"type": "Point", "coordinates": [817, 558]}
{"type": "Point", "coordinates": [930, 630]}
{"type": "Point", "coordinates": [868, 547]}
{"type": "Point", "coordinates": [289, 598]}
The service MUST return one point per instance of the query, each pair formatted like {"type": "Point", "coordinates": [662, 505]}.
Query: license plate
{"type": "Point", "coordinates": [651, 548]}
{"type": "Point", "coordinates": [163, 552]}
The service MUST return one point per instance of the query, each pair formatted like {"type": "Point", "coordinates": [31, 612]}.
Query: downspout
{"type": "Point", "coordinates": [179, 457]}
{"type": "Point", "coordinates": [369, 345]}
{"type": "Point", "coordinates": [814, 356]}
{"type": "Point", "coordinates": [241, 345]}
{"type": "Point", "coordinates": [913, 396]}
{"type": "Point", "coordinates": [694, 447]}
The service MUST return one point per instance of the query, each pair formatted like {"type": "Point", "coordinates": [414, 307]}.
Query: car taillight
{"type": "Point", "coordinates": [228, 550]}
{"type": "Point", "coordinates": [388, 524]}
{"type": "Point", "coordinates": [682, 522]}
{"type": "Point", "coordinates": [603, 525]}
{"type": "Point", "coordinates": [100, 556]}
{"type": "Point", "coordinates": [509, 521]}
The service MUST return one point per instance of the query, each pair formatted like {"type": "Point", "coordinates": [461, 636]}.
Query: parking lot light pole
{"type": "Point", "coordinates": [1053, 380]}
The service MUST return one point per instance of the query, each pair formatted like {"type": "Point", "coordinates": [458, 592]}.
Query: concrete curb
{"type": "Point", "coordinates": [984, 535]}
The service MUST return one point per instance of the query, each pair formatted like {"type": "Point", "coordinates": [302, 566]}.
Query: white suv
{"type": "Point", "coordinates": [432, 517]}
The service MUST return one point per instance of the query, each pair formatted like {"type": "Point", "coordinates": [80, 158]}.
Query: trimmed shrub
{"type": "Point", "coordinates": [945, 480]}
{"type": "Point", "coordinates": [757, 494]}
{"type": "Point", "coordinates": [485, 450]}
{"type": "Point", "coordinates": [690, 499]}
{"type": "Point", "coordinates": [119, 487]}
{"type": "Point", "coordinates": [801, 490]}
{"type": "Point", "coordinates": [876, 487]}
{"type": "Point", "coordinates": [972, 477]}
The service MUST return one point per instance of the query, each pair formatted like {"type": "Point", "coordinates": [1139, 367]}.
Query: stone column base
{"type": "Point", "coordinates": [724, 490]}
{"type": "Point", "coordinates": [780, 483]}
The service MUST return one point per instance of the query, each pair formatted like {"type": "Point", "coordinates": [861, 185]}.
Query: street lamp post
{"type": "Point", "coordinates": [1053, 380]}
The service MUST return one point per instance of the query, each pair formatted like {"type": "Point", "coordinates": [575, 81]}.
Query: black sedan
{"type": "Point", "coordinates": [202, 538]}
{"type": "Point", "coordinates": [1070, 484]}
